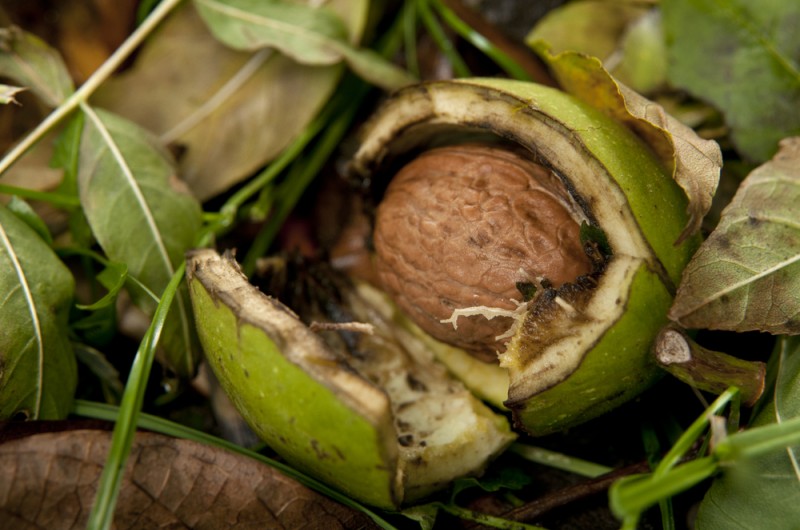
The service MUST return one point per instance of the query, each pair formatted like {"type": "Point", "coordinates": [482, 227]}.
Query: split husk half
{"type": "Point", "coordinates": [383, 423]}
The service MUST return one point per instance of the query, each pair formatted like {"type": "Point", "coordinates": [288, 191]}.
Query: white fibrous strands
{"type": "Point", "coordinates": [489, 313]}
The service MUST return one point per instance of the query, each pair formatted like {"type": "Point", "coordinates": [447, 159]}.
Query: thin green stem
{"type": "Point", "coordinates": [298, 180]}
{"type": "Point", "coordinates": [409, 16]}
{"type": "Point", "coordinates": [91, 84]}
{"type": "Point", "coordinates": [440, 38]}
{"type": "Point", "coordinates": [485, 519]}
{"type": "Point", "coordinates": [56, 199]}
{"type": "Point", "coordinates": [760, 440]}
{"type": "Point", "coordinates": [560, 461]}
{"type": "Point", "coordinates": [695, 430]}
{"type": "Point", "coordinates": [102, 513]}
{"type": "Point", "coordinates": [500, 57]}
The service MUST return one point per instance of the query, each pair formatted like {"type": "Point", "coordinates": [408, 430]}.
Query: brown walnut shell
{"type": "Point", "coordinates": [466, 225]}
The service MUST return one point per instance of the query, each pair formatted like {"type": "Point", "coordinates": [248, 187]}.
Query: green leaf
{"type": "Point", "coordinates": [38, 373]}
{"type": "Point", "coordinates": [763, 492]}
{"type": "Point", "coordinates": [23, 210]}
{"type": "Point", "coordinates": [8, 93]}
{"type": "Point", "coordinates": [113, 278]}
{"type": "Point", "coordinates": [66, 155]}
{"type": "Point", "coordinates": [29, 61]}
{"type": "Point", "coordinates": [307, 34]}
{"type": "Point", "coordinates": [746, 275]}
{"type": "Point", "coordinates": [141, 215]}
{"type": "Point", "coordinates": [742, 57]}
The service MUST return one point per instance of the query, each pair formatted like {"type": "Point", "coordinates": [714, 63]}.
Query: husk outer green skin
{"type": "Point", "coordinates": [636, 202]}
{"type": "Point", "coordinates": [612, 372]}
{"type": "Point", "coordinates": [315, 430]}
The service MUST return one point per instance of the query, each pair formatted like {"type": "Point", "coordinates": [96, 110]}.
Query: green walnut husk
{"type": "Point", "coordinates": [372, 414]}
{"type": "Point", "coordinates": [581, 350]}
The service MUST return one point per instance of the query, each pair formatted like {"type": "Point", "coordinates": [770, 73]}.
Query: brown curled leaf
{"type": "Point", "coordinates": [695, 163]}
{"type": "Point", "coordinates": [49, 481]}
{"type": "Point", "coordinates": [746, 275]}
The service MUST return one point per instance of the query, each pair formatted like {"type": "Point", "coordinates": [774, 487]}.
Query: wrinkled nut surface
{"type": "Point", "coordinates": [464, 226]}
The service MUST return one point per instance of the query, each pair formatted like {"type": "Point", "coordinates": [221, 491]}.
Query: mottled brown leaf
{"type": "Point", "coordinates": [49, 481]}
{"type": "Point", "coordinates": [746, 275]}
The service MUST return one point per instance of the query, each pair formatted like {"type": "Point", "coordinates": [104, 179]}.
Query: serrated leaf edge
{"type": "Point", "coordinates": [37, 327]}
{"type": "Point", "coordinates": [145, 208]}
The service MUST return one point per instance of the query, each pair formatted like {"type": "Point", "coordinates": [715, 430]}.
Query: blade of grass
{"type": "Point", "coordinates": [560, 461]}
{"type": "Point", "coordinates": [56, 199]}
{"type": "Point", "coordinates": [344, 108]}
{"type": "Point", "coordinates": [631, 496]}
{"type": "Point", "coordinates": [440, 38]}
{"type": "Point", "coordinates": [102, 513]}
{"type": "Point", "coordinates": [484, 519]}
{"type": "Point", "coordinates": [501, 58]}
{"type": "Point", "coordinates": [102, 411]}
{"type": "Point", "coordinates": [338, 115]}
{"type": "Point", "coordinates": [760, 440]}
{"type": "Point", "coordinates": [695, 430]}
{"type": "Point", "coordinates": [409, 16]}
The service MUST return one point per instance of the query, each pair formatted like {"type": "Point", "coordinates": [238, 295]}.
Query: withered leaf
{"type": "Point", "coordinates": [49, 481]}
{"type": "Point", "coordinates": [31, 62]}
{"type": "Point", "coordinates": [226, 112]}
{"type": "Point", "coordinates": [695, 163]}
{"type": "Point", "coordinates": [746, 275]}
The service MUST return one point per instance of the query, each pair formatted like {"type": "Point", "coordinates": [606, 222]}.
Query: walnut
{"type": "Point", "coordinates": [465, 226]}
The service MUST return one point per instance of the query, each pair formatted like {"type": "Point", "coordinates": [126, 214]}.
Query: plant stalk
{"type": "Point", "coordinates": [93, 83]}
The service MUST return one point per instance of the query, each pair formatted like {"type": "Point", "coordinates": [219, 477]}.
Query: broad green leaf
{"type": "Point", "coordinates": [763, 492]}
{"type": "Point", "coordinates": [744, 58]}
{"type": "Point", "coordinates": [309, 35]}
{"type": "Point", "coordinates": [8, 94]}
{"type": "Point", "coordinates": [236, 113]}
{"type": "Point", "coordinates": [141, 215]}
{"type": "Point", "coordinates": [38, 373]}
{"type": "Point", "coordinates": [29, 61]}
{"type": "Point", "coordinates": [746, 275]}
{"type": "Point", "coordinates": [695, 163]}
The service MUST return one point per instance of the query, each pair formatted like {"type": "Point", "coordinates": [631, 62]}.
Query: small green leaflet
{"type": "Point", "coordinates": [141, 215]}
{"type": "Point", "coordinates": [38, 372]}
{"type": "Point", "coordinates": [32, 63]}
{"type": "Point", "coordinates": [307, 34]}
{"type": "Point", "coordinates": [746, 275]}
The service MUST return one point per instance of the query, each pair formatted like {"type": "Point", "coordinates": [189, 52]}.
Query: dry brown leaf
{"type": "Point", "coordinates": [228, 112]}
{"type": "Point", "coordinates": [695, 163]}
{"type": "Point", "coordinates": [746, 275]}
{"type": "Point", "coordinates": [49, 481]}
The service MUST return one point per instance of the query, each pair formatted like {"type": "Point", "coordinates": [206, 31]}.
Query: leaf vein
{"type": "Point", "coordinates": [37, 327]}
